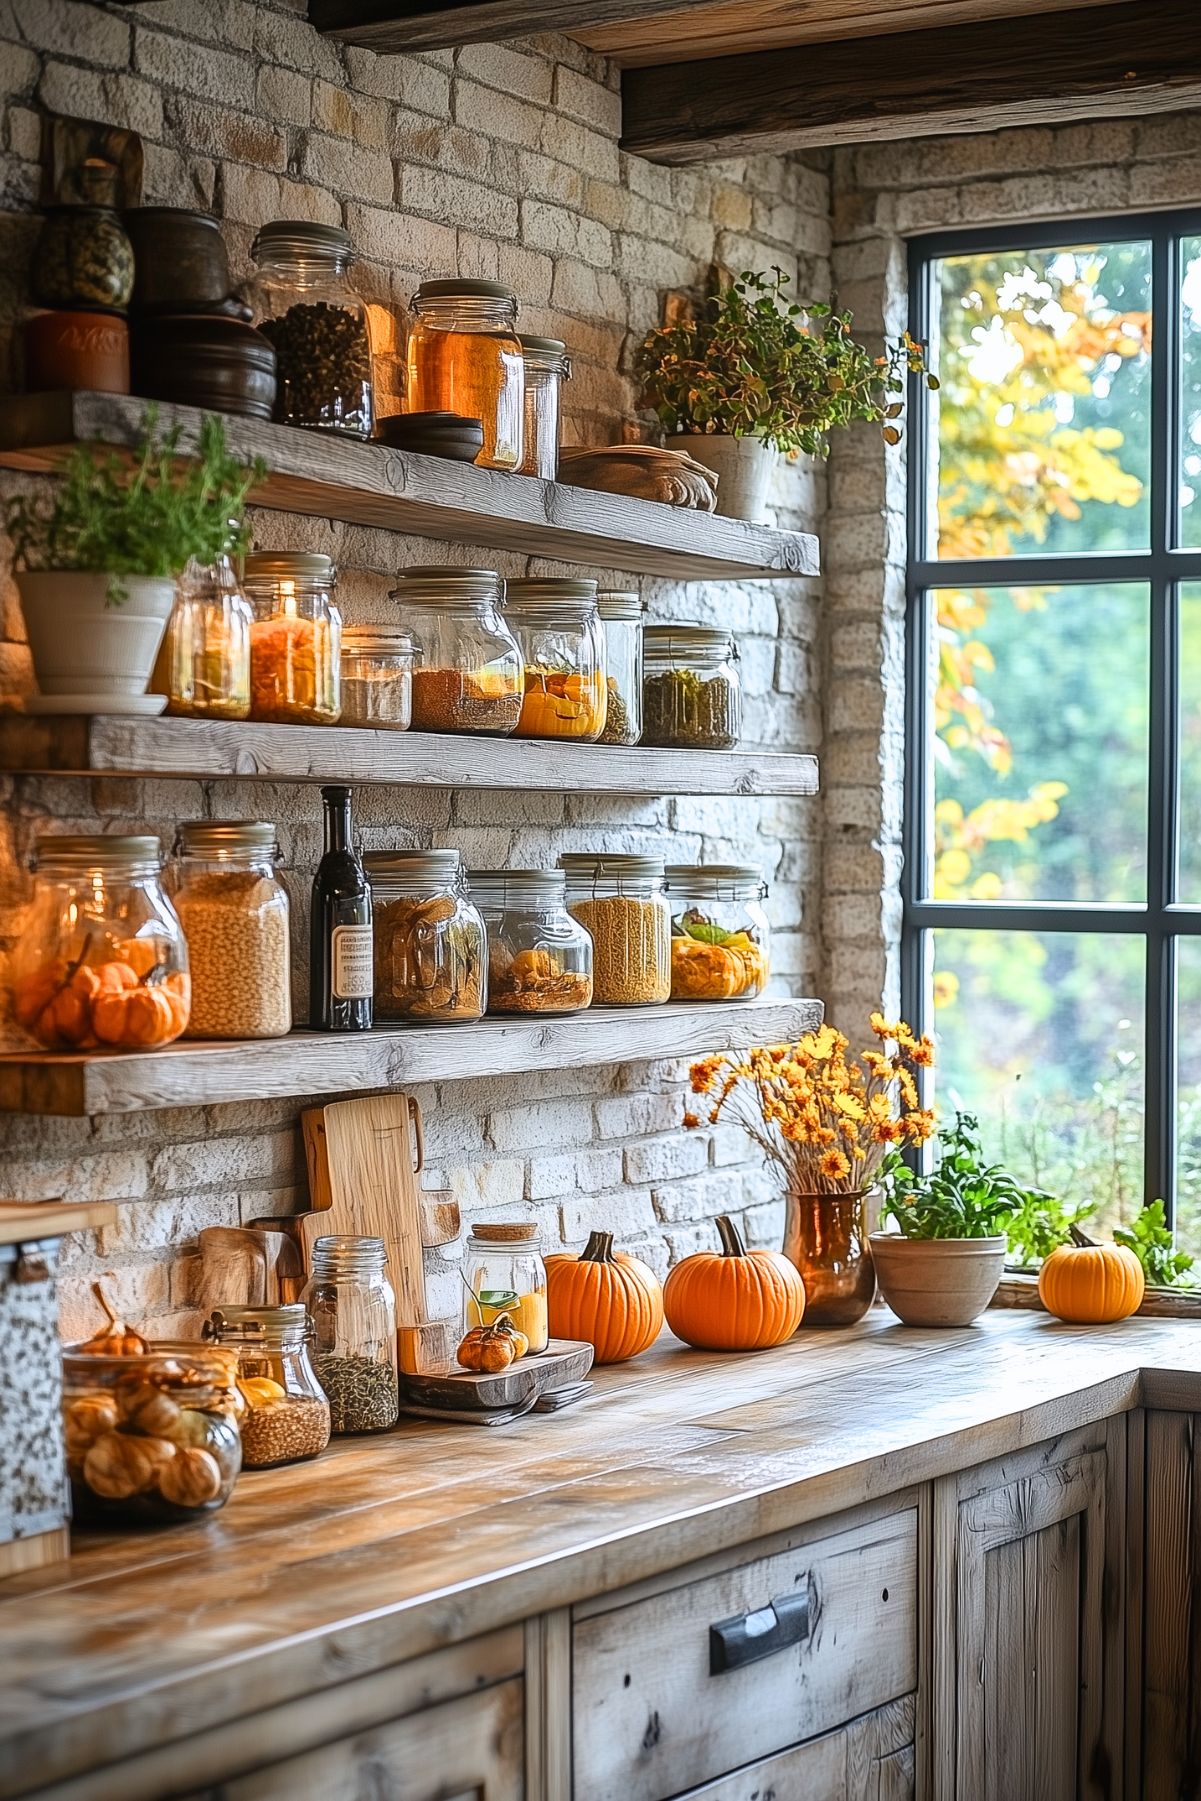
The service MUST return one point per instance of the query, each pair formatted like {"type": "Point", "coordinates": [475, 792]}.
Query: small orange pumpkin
{"type": "Point", "coordinates": [734, 1299]}
{"type": "Point", "coordinates": [1091, 1284]}
{"type": "Point", "coordinates": [606, 1298]}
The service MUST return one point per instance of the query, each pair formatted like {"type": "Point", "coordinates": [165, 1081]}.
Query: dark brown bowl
{"type": "Point", "coordinates": [180, 261]}
{"type": "Point", "coordinates": [449, 435]}
{"type": "Point", "coordinates": [204, 360]}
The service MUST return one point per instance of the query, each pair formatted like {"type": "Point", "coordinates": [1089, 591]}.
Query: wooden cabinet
{"type": "Point", "coordinates": [868, 1760]}
{"type": "Point", "coordinates": [1171, 1566]}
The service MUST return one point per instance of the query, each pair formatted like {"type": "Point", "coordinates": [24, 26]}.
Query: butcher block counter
{"type": "Point", "coordinates": [830, 1567]}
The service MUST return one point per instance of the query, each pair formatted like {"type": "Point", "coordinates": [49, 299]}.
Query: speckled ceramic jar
{"type": "Point", "coordinates": [83, 260]}
{"type": "Point", "coordinates": [33, 1487]}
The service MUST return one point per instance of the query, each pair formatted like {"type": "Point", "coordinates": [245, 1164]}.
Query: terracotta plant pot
{"type": "Point", "coordinates": [743, 467]}
{"type": "Point", "coordinates": [85, 647]}
{"type": "Point", "coordinates": [77, 350]}
{"type": "Point", "coordinates": [938, 1281]}
{"type": "Point", "coordinates": [825, 1235]}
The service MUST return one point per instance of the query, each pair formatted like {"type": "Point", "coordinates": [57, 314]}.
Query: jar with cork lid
{"type": "Point", "coordinates": [505, 1275]}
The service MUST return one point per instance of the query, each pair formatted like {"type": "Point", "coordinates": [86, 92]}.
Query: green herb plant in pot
{"type": "Point", "coordinates": [97, 552]}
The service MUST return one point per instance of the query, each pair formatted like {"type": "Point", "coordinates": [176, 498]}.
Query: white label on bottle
{"type": "Point", "coordinates": [351, 958]}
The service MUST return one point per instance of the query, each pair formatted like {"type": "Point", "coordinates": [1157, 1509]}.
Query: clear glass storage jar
{"type": "Point", "coordinates": [621, 621]}
{"type": "Point", "coordinates": [101, 960]}
{"type": "Point", "coordinates": [547, 367]}
{"type": "Point", "coordinates": [557, 625]}
{"type": "Point", "coordinates": [234, 912]}
{"type": "Point", "coordinates": [506, 1275]}
{"type": "Point", "coordinates": [691, 692]}
{"type": "Point", "coordinates": [720, 937]}
{"type": "Point", "coordinates": [306, 303]}
{"type": "Point", "coordinates": [464, 357]}
{"type": "Point", "coordinates": [287, 1415]}
{"type": "Point", "coordinates": [539, 957]}
{"type": "Point", "coordinates": [203, 666]}
{"type": "Point", "coordinates": [152, 1436]}
{"type": "Point", "coordinates": [295, 638]}
{"type": "Point", "coordinates": [467, 676]}
{"type": "Point", "coordinates": [430, 946]}
{"type": "Point", "coordinates": [621, 901]}
{"type": "Point", "coordinates": [353, 1312]}
{"type": "Point", "coordinates": [377, 677]}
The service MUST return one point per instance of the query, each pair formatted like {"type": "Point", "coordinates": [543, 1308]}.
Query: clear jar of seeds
{"type": "Point", "coordinates": [353, 1312]}
{"type": "Point", "coordinates": [621, 901]}
{"type": "Point", "coordinates": [306, 304]}
{"type": "Point", "coordinates": [234, 912]}
{"type": "Point", "coordinates": [287, 1415]}
{"type": "Point", "coordinates": [621, 620]}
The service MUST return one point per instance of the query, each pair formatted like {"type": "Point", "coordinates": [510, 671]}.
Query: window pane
{"type": "Point", "coordinates": [1041, 1035]}
{"type": "Point", "coordinates": [1190, 394]}
{"type": "Point", "coordinates": [1188, 1102]}
{"type": "Point", "coordinates": [1042, 418]}
{"type": "Point", "coordinates": [1190, 742]}
{"type": "Point", "coordinates": [1040, 764]}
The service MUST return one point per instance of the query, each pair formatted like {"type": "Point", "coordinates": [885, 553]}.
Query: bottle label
{"type": "Point", "coordinates": [350, 957]}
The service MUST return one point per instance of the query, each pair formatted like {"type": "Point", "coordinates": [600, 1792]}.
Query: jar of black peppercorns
{"type": "Point", "coordinates": [305, 302]}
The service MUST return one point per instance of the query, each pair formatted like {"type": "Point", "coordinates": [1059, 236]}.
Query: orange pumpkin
{"type": "Point", "coordinates": [734, 1299]}
{"type": "Point", "coordinates": [607, 1298]}
{"type": "Point", "coordinates": [1091, 1284]}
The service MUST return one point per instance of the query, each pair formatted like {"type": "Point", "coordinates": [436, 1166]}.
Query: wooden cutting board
{"type": "Point", "coordinates": [565, 1360]}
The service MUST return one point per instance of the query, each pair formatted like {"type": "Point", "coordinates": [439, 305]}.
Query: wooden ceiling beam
{"type": "Point", "coordinates": [399, 25]}
{"type": "Point", "coordinates": [1136, 57]}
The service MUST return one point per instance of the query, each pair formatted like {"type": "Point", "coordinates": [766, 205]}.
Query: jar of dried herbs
{"type": "Point", "coordinates": [430, 943]}
{"type": "Point", "coordinates": [353, 1313]}
{"type": "Point", "coordinates": [621, 902]}
{"type": "Point", "coordinates": [306, 304]}
{"type": "Point", "coordinates": [691, 692]}
{"type": "Point", "coordinates": [621, 613]}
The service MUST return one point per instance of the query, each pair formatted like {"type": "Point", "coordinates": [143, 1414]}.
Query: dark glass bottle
{"type": "Point", "coordinates": [340, 959]}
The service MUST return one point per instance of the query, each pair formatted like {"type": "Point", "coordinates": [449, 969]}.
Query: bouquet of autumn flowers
{"type": "Point", "coordinates": [826, 1121]}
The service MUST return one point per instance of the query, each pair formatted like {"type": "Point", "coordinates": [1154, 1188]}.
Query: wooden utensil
{"type": "Point", "coordinates": [247, 1265]}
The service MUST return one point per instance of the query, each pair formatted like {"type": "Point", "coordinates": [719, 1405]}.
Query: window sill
{"type": "Point", "coordinates": [1021, 1291]}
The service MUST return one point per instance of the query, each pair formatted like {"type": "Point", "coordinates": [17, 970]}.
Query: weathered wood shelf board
{"type": "Point", "coordinates": [310, 1063]}
{"type": "Point", "coordinates": [208, 749]}
{"type": "Point", "coordinates": [429, 497]}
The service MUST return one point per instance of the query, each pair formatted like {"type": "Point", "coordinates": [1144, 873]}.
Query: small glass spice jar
{"type": "Point", "coordinates": [562, 644]}
{"type": "Point", "coordinates": [234, 912]}
{"type": "Point", "coordinates": [353, 1312]}
{"type": "Point", "coordinates": [539, 957]}
{"type": "Point", "coordinates": [287, 1416]}
{"type": "Point", "coordinates": [621, 901]}
{"type": "Point", "coordinates": [306, 304]}
{"type": "Point", "coordinates": [621, 620]}
{"type": "Point", "coordinates": [505, 1274]}
{"type": "Point", "coordinates": [467, 676]}
{"type": "Point", "coordinates": [203, 666]}
{"type": "Point", "coordinates": [464, 357]}
{"type": "Point", "coordinates": [720, 937]}
{"type": "Point", "coordinates": [295, 638]}
{"type": "Point", "coordinates": [691, 691]}
{"type": "Point", "coordinates": [430, 944]}
{"type": "Point", "coordinates": [377, 677]}
{"type": "Point", "coordinates": [547, 367]}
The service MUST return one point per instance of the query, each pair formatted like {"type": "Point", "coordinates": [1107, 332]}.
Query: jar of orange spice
{"type": "Point", "coordinates": [295, 639]}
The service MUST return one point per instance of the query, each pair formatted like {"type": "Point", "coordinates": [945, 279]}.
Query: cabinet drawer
{"type": "Point", "coordinates": [675, 1689]}
{"type": "Point", "coordinates": [869, 1760]}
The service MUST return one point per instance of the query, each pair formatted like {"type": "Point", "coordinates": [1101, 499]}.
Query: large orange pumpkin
{"type": "Point", "coordinates": [1091, 1284]}
{"type": "Point", "coordinates": [734, 1299]}
{"type": "Point", "coordinates": [607, 1298]}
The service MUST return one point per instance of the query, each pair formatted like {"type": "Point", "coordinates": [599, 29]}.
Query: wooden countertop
{"type": "Point", "coordinates": [387, 1548]}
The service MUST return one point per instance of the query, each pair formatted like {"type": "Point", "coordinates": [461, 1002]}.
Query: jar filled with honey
{"type": "Point", "coordinates": [465, 357]}
{"type": "Point", "coordinates": [295, 638]}
{"type": "Point", "coordinates": [505, 1275]}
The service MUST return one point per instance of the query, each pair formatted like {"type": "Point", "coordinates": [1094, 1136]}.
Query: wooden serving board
{"type": "Point", "coordinates": [564, 1360]}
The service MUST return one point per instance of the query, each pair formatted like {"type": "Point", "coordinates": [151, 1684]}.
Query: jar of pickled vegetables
{"type": "Point", "coordinates": [203, 666]}
{"type": "Point", "coordinates": [377, 677]}
{"type": "Point", "coordinates": [621, 902]}
{"type": "Point", "coordinates": [506, 1275]}
{"type": "Point", "coordinates": [430, 945]}
{"type": "Point", "coordinates": [539, 958]}
{"type": "Point", "coordinates": [467, 674]}
{"type": "Point", "coordinates": [306, 304]}
{"type": "Point", "coordinates": [295, 638]}
{"type": "Point", "coordinates": [621, 621]}
{"type": "Point", "coordinates": [101, 961]}
{"type": "Point", "coordinates": [691, 690]}
{"type": "Point", "coordinates": [287, 1415]}
{"type": "Point", "coordinates": [720, 937]}
{"type": "Point", "coordinates": [562, 644]}
{"type": "Point", "coordinates": [464, 357]}
{"type": "Point", "coordinates": [547, 367]}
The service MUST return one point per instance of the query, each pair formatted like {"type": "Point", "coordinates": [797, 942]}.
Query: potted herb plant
{"type": "Point", "coordinates": [97, 554]}
{"type": "Point", "coordinates": [758, 374]}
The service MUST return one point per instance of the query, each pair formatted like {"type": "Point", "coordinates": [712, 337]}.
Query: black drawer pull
{"type": "Point", "coordinates": [749, 1636]}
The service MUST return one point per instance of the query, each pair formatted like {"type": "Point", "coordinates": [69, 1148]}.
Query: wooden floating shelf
{"type": "Point", "coordinates": [25, 1222]}
{"type": "Point", "coordinates": [312, 1063]}
{"type": "Point", "coordinates": [366, 484]}
{"type": "Point", "coordinates": [205, 750]}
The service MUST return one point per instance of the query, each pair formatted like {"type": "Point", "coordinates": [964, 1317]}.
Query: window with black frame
{"type": "Point", "coordinates": [1053, 809]}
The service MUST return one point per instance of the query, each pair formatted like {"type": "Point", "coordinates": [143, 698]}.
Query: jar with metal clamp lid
{"type": "Point", "coordinates": [430, 947]}
{"type": "Point", "coordinates": [295, 639]}
{"type": "Point", "coordinates": [720, 938]}
{"type": "Point", "coordinates": [621, 902]}
{"type": "Point", "coordinates": [203, 666]}
{"type": "Point", "coordinates": [234, 912]}
{"type": "Point", "coordinates": [539, 958]}
{"type": "Point", "coordinates": [691, 690]}
{"type": "Point", "coordinates": [464, 357]}
{"type": "Point", "coordinates": [287, 1415]}
{"type": "Point", "coordinates": [377, 677]}
{"type": "Point", "coordinates": [353, 1312]}
{"type": "Point", "coordinates": [621, 621]}
{"type": "Point", "coordinates": [468, 673]}
{"type": "Point", "coordinates": [547, 367]}
{"type": "Point", "coordinates": [306, 303]}
{"type": "Point", "coordinates": [558, 628]}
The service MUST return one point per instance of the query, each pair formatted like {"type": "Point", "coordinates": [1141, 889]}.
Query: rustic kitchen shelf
{"type": "Point", "coordinates": [310, 1063]}
{"type": "Point", "coordinates": [366, 484]}
{"type": "Point", "coordinates": [25, 1222]}
{"type": "Point", "coordinates": [204, 750]}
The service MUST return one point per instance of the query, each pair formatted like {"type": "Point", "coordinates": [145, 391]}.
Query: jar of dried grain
{"type": "Point", "coordinates": [234, 912]}
{"type": "Point", "coordinates": [287, 1415]}
{"type": "Point", "coordinates": [621, 901]}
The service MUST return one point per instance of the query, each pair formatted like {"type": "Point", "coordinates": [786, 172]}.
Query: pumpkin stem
{"type": "Point", "coordinates": [731, 1238]}
{"type": "Point", "coordinates": [599, 1248]}
{"type": "Point", "coordinates": [1081, 1239]}
{"type": "Point", "coordinates": [110, 1311]}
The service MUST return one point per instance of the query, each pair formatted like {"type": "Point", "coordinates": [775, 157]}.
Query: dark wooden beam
{"type": "Point", "coordinates": [1136, 57]}
{"type": "Point", "coordinates": [397, 25]}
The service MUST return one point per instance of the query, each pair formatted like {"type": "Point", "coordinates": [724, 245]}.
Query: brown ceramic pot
{"type": "Point", "coordinates": [207, 360]}
{"type": "Point", "coordinates": [181, 265]}
{"type": "Point", "coordinates": [826, 1236]}
{"type": "Point", "coordinates": [938, 1281]}
{"type": "Point", "coordinates": [77, 350]}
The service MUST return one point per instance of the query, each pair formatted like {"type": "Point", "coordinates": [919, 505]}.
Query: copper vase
{"type": "Point", "coordinates": [826, 1236]}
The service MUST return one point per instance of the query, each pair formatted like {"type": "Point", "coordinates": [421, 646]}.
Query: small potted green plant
{"type": "Point", "coordinates": [758, 374]}
{"type": "Point", "coordinates": [97, 554]}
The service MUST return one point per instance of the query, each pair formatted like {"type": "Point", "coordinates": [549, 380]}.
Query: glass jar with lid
{"type": "Point", "coordinates": [101, 960]}
{"type": "Point", "coordinates": [621, 902]}
{"type": "Point", "coordinates": [353, 1312]}
{"type": "Point", "coordinates": [621, 621]}
{"type": "Point", "coordinates": [234, 912]}
{"type": "Point", "coordinates": [562, 644]}
{"type": "Point", "coordinates": [306, 303]}
{"type": "Point", "coordinates": [467, 674]}
{"type": "Point", "coordinates": [287, 1415]}
{"type": "Point", "coordinates": [464, 357]}
{"type": "Point", "coordinates": [203, 665]}
{"type": "Point", "coordinates": [505, 1274]}
{"type": "Point", "coordinates": [720, 937]}
{"type": "Point", "coordinates": [539, 957]}
{"type": "Point", "coordinates": [547, 367]}
{"type": "Point", "coordinates": [691, 691]}
{"type": "Point", "coordinates": [430, 944]}
{"type": "Point", "coordinates": [377, 677]}
{"type": "Point", "coordinates": [295, 638]}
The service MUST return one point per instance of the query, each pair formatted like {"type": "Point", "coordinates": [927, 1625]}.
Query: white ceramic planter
{"type": "Point", "coordinates": [938, 1281]}
{"type": "Point", "coordinates": [744, 468]}
{"type": "Point", "coordinates": [84, 646]}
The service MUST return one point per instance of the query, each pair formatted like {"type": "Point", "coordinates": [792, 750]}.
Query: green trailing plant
{"type": "Point", "coordinates": [1150, 1238]}
{"type": "Point", "coordinates": [150, 515]}
{"type": "Point", "coordinates": [962, 1197]}
{"type": "Point", "coordinates": [751, 362]}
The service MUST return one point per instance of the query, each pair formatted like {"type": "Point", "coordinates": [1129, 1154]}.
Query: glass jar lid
{"type": "Point", "coordinates": [545, 356]}
{"type": "Point", "coordinates": [619, 603]}
{"type": "Point", "coordinates": [716, 881]}
{"type": "Point", "coordinates": [501, 888]}
{"type": "Point", "coordinates": [348, 1255]}
{"type": "Point", "coordinates": [216, 839]}
{"type": "Point", "coordinates": [280, 1328]}
{"type": "Point", "coordinates": [455, 288]}
{"type": "Point", "coordinates": [518, 1231]}
{"type": "Point", "coordinates": [536, 591]}
{"type": "Point", "coordinates": [96, 851]}
{"type": "Point", "coordinates": [606, 864]}
{"type": "Point", "coordinates": [303, 238]}
{"type": "Point", "coordinates": [304, 566]}
{"type": "Point", "coordinates": [378, 640]}
{"type": "Point", "coordinates": [686, 637]}
{"type": "Point", "coordinates": [449, 586]}
{"type": "Point", "coordinates": [434, 868]}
